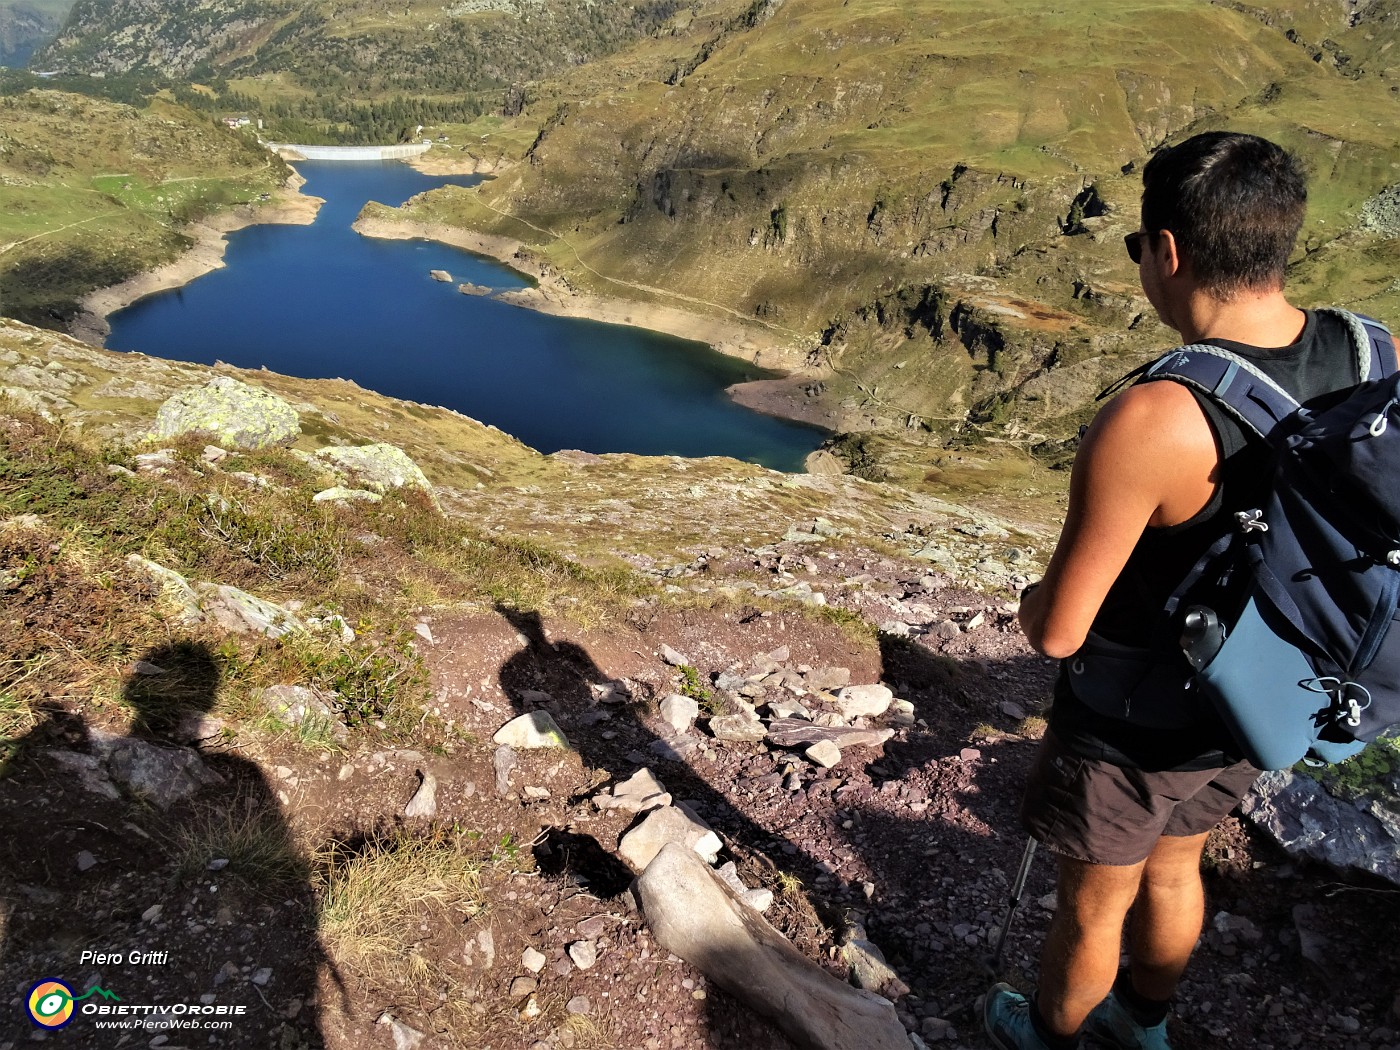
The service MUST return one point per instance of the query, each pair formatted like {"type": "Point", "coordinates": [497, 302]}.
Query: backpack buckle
{"type": "Point", "coordinates": [1353, 703]}
{"type": "Point", "coordinates": [1251, 521]}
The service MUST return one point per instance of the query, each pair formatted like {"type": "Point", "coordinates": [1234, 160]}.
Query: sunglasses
{"type": "Point", "coordinates": [1134, 245]}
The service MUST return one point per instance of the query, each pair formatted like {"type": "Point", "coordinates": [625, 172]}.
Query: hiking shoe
{"type": "Point", "coordinates": [1006, 1013]}
{"type": "Point", "coordinates": [1111, 1027]}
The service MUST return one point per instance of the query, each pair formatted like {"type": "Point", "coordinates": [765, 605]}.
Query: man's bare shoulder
{"type": "Point", "coordinates": [1156, 420]}
{"type": "Point", "coordinates": [1152, 443]}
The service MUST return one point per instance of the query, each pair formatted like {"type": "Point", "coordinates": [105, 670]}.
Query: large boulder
{"type": "Point", "coordinates": [1358, 835]}
{"type": "Point", "coordinates": [378, 468]}
{"type": "Point", "coordinates": [233, 412]}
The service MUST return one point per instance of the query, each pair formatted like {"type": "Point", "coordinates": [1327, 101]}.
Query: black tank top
{"type": "Point", "coordinates": [1321, 361]}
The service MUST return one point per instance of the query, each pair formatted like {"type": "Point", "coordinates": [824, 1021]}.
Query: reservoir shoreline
{"type": "Point", "coordinates": [782, 397]}
{"type": "Point", "coordinates": [775, 397]}
{"type": "Point", "coordinates": [291, 207]}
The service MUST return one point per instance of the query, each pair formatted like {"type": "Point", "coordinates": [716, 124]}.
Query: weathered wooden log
{"type": "Point", "coordinates": [697, 917]}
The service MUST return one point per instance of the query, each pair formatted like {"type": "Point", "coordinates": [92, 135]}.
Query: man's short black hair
{"type": "Point", "coordinates": [1233, 202]}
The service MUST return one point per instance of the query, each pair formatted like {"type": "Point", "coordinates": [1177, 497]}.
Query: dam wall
{"type": "Point", "coordinates": [292, 151]}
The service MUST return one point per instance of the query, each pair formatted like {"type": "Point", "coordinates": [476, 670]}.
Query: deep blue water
{"type": "Point", "coordinates": [322, 301]}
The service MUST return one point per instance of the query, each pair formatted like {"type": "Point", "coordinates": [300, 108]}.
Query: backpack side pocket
{"type": "Point", "coordinates": [1267, 694]}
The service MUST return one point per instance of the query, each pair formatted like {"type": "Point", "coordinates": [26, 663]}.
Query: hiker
{"type": "Point", "coordinates": [1126, 803]}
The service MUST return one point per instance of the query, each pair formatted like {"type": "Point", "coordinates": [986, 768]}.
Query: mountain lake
{"type": "Point", "coordinates": [322, 301]}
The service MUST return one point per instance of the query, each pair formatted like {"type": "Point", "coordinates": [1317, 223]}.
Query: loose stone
{"type": "Point", "coordinates": [584, 954]}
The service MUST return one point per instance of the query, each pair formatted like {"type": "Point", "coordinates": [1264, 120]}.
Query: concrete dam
{"type": "Point", "coordinates": [292, 151]}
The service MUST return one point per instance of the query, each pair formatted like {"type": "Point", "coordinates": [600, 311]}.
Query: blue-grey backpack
{"type": "Point", "coordinates": [1307, 661]}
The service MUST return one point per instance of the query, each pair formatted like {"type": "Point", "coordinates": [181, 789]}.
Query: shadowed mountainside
{"type": "Point", "coordinates": [26, 25]}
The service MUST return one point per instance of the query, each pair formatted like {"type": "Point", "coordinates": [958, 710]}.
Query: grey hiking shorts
{"type": "Point", "coordinates": [1091, 810]}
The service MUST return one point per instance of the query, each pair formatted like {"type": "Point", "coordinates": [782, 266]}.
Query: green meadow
{"type": "Point", "coordinates": [81, 211]}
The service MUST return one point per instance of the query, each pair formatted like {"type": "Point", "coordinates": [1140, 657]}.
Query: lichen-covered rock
{"type": "Point", "coordinates": [235, 413]}
{"type": "Point", "coordinates": [300, 705]}
{"type": "Point", "coordinates": [36, 401]}
{"type": "Point", "coordinates": [340, 494]}
{"type": "Point", "coordinates": [378, 468]}
{"type": "Point", "coordinates": [160, 775]}
{"type": "Point", "coordinates": [531, 731]}
{"type": "Point", "coordinates": [175, 589]}
{"type": "Point", "coordinates": [244, 613]}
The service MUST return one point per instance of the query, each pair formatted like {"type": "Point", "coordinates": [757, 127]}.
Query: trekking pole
{"type": "Point", "coordinates": [1017, 887]}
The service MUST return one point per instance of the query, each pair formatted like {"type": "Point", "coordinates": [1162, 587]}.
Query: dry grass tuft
{"type": "Point", "coordinates": [251, 835]}
{"type": "Point", "coordinates": [587, 1033]}
{"type": "Point", "coordinates": [375, 893]}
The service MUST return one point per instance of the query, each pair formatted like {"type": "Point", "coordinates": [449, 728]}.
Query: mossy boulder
{"type": "Point", "coordinates": [1346, 816]}
{"type": "Point", "coordinates": [234, 413]}
{"type": "Point", "coordinates": [377, 468]}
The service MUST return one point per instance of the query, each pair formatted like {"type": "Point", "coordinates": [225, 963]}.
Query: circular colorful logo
{"type": "Point", "coordinates": [51, 1004]}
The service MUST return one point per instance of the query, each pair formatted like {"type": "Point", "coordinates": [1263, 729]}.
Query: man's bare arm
{"type": "Point", "coordinates": [1149, 458]}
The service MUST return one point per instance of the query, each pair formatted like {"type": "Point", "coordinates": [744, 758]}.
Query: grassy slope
{"type": "Point", "coordinates": [509, 526]}
{"type": "Point", "coordinates": [82, 211]}
{"type": "Point", "coordinates": [825, 157]}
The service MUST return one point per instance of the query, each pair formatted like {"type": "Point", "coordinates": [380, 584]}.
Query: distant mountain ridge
{"type": "Point", "coordinates": [361, 48]}
{"type": "Point", "coordinates": [26, 25]}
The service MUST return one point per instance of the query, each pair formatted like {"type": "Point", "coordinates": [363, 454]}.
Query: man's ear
{"type": "Point", "coordinates": [1167, 254]}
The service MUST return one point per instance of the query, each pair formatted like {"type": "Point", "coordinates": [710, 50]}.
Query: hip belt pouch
{"type": "Point", "coordinates": [1145, 687]}
{"type": "Point", "coordinates": [1267, 693]}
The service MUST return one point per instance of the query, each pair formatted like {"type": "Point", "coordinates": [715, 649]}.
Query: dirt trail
{"type": "Point", "coordinates": [914, 842]}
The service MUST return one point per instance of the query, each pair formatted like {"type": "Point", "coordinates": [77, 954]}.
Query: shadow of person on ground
{"type": "Point", "coordinates": [163, 875]}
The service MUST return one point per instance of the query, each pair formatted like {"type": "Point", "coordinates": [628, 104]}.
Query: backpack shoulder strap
{"type": "Point", "coordinates": [1249, 395]}
{"type": "Point", "coordinates": [1381, 360]}
{"type": "Point", "coordinates": [1229, 380]}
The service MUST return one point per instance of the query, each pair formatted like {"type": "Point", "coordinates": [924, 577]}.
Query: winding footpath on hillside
{"type": "Point", "coordinates": [49, 233]}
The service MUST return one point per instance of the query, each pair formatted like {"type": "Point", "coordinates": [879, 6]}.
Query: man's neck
{"type": "Point", "coordinates": [1263, 319]}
